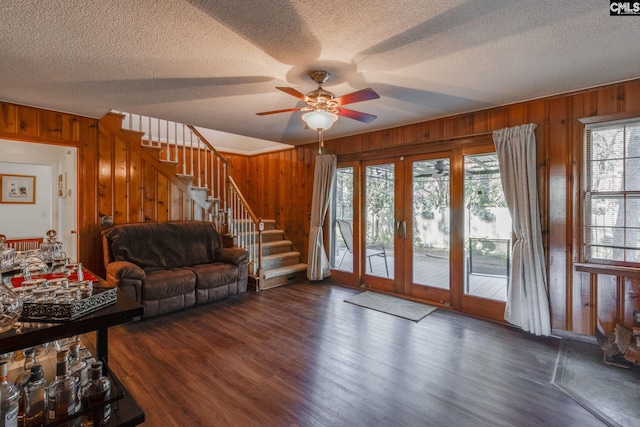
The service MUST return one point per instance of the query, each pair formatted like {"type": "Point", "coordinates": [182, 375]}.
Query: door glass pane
{"type": "Point", "coordinates": [487, 229]}
{"type": "Point", "coordinates": [341, 241]}
{"type": "Point", "coordinates": [379, 219]}
{"type": "Point", "coordinates": [431, 227]}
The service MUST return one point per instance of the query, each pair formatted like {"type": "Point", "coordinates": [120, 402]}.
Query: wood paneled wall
{"type": "Point", "coordinates": [279, 185]}
{"type": "Point", "coordinates": [117, 177]}
{"type": "Point", "coordinates": [30, 124]}
{"type": "Point", "coordinates": [120, 181]}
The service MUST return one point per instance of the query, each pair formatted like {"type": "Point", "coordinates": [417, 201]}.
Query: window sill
{"type": "Point", "coordinates": [613, 270]}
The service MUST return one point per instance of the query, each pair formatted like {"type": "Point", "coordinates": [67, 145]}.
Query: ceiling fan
{"type": "Point", "coordinates": [435, 171]}
{"type": "Point", "coordinates": [323, 100]}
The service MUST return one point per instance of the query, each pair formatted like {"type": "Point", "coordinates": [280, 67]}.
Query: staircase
{"type": "Point", "coordinates": [201, 171]}
{"type": "Point", "coordinates": [280, 262]}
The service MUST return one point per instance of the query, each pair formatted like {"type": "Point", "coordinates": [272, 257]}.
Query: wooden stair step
{"type": "Point", "coordinates": [284, 271]}
{"type": "Point", "coordinates": [169, 162]}
{"type": "Point", "coordinates": [272, 235]}
{"type": "Point", "coordinates": [145, 144]}
{"type": "Point", "coordinates": [275, 261]}
{"type": "Point", "coordinates": [269, 224]}
{"type": "Point", "coordinates": [276, 247]}
{"type": "Point", "coordinates": [280, 276]}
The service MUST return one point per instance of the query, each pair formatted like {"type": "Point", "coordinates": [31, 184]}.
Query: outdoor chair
{"type": "Point", "coordinates": [372, 250]}
{"type": "Point", "coordinates": [489, 257]}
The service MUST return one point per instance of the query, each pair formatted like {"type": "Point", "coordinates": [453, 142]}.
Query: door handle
{"type": "Point", "coordinates": [401, 228]}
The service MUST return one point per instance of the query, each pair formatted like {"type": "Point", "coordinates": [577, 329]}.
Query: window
{"type": "Point", "coordinates": [612, 193]}
{"type": "Point", "coordinates": [342, 251]}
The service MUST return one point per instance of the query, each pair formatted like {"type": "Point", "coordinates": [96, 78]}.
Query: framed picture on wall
{"type": "Point", "coordinates": [18, 188]}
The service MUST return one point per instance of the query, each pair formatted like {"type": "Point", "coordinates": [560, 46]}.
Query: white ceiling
{"type": "Point", "coordinates": [214, 64]}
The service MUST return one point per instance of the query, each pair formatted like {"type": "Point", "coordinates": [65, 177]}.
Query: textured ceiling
{"type": "Point", "coordinates": [214, 64]}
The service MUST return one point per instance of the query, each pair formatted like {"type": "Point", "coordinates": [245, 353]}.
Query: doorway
{"type": "Point", "coordinates": [55, 207]}
{"type": "Point", "coordinates": [433, 227]}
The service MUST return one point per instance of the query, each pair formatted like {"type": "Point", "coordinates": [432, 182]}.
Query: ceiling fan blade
{"type": "Point", "coordinates": [358, 96]}
{"type": "Point", "coordinates": [293, 92]}
{"type": "Point", "coordinates": [356, 115]}
{"type": "Point", "coordinates": [286, 110]}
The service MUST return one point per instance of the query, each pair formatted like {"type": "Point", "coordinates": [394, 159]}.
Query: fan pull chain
{"type": "Point", "coordinates": [320, 141]}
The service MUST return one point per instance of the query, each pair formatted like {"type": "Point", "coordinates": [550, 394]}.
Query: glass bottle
{"type": "Point", "coordinates": [78, 367]}
{"type": "Point", "coordinates": [9, 396]}
{"type": "Point", "coordinates": [51, 249]}
{"type": "Point", "coordinates": [62, 398]}
{"type": "Point", "coordinates": [30, 358]}
{"type": "Point", "coordinates": [23, 378]}
{"type": "Point", "coordinates": [95, 394]}
{"type": "Point", "coordinates": [34, 398]}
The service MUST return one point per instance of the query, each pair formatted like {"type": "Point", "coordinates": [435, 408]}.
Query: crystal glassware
{"type": "Point", "coordinates": [10, 307]}
{"type": "Point", "coordinates": [51, 249]}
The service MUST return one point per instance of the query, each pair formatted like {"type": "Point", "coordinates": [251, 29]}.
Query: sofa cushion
{"type": "Point", "coordinates": [214, 275]}
{"type": "Point", "coordinates": [207, 295]}
{"type": "Point", "coordinates": [155, 307]}
{"type": "Point", "coordinates": [167, 283]}
{"type": "Point", "coordinates": [159, 246]}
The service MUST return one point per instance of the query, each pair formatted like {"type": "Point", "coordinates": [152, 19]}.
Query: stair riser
{"type": "Point", "coordinates": [266, 237]}
{"type": "Point", "coordinates": [268, 224]}
{"type": "Point", "coordinates": [272, 237]}
{"type": "Point", "coordinates": [282, 280]}
{"type": "Point", "coordinates": [274, 250]}
{"type": "Point", "coordinates": [280, 262]}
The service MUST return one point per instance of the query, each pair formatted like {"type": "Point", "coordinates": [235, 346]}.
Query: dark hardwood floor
{"type": "Point", "coordinates": [298, 355]}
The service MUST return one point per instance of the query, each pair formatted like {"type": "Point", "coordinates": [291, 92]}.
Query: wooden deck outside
{"type": "Point", "coordinates": [433, 271]}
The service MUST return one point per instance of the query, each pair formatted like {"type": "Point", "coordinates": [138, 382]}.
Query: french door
{"type": "Point", "coordinates": [433, 227]}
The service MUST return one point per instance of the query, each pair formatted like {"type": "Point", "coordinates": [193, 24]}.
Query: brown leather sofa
{"type": "Point", "coordinates": [173, 265]}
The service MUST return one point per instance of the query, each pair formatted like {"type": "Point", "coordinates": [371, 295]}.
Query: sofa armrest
{"type": "Point", "coordinates": [235, 256]}
{"type": "Point", "coordinates": [125, 270]}
{"type": "Point", "coordinates": [127, 277]}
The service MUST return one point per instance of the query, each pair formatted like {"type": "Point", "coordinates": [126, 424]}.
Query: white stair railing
{"type": "Point", "coordinates": [195, 157]}
{"type": "Point", "coordinates": [245, 227]}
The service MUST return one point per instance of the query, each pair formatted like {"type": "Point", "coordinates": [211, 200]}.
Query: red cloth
{"type": "Point", "coordinates": [16, 281]}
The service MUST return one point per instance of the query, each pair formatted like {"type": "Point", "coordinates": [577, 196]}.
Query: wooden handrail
{"type": "Point", "coordinates": [246, 231]}
{"type": "Point", "coordinates": [244, 202]}
{"type": "Point", "coordinates": [233, 210]}
{"type": "Point", "coordinates": [208, 144]}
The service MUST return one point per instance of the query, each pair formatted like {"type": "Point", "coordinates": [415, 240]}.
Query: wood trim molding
{"type": "Point", "coordinates": [419, 148]}
{"type": "Point", "coordinates": [612, 270]}
{"type": "Point", "coordinates": [609, 117]}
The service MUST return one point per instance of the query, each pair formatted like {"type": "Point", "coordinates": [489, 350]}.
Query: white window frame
{"type": "Point", "coordinates": [588, 195]}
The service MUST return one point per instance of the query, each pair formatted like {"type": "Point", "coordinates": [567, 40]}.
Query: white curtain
{"type": "Point", "coordinates": [318, 264]}
{"type": "Point", "coordinates": [527, 301]}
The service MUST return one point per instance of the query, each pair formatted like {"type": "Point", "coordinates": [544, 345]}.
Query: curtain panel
{"type": "Point", "coordinates": [527, 300]}
{"type": "Point", "coordinates": [325, 169]}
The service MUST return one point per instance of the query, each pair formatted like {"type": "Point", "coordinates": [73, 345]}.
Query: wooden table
{"type": "Point", "coordinates": [124, 310]}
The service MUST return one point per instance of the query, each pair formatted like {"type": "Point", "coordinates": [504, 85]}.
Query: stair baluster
{"type": "Point", "coordinates": [222, 203]}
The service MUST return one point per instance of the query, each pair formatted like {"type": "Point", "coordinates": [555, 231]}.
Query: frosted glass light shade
{"type": "Point", "coordinates": [319, 119]}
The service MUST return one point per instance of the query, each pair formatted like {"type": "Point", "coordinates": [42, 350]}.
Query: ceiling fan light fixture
{"type": "Point", "coordinates": [319, 120]}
